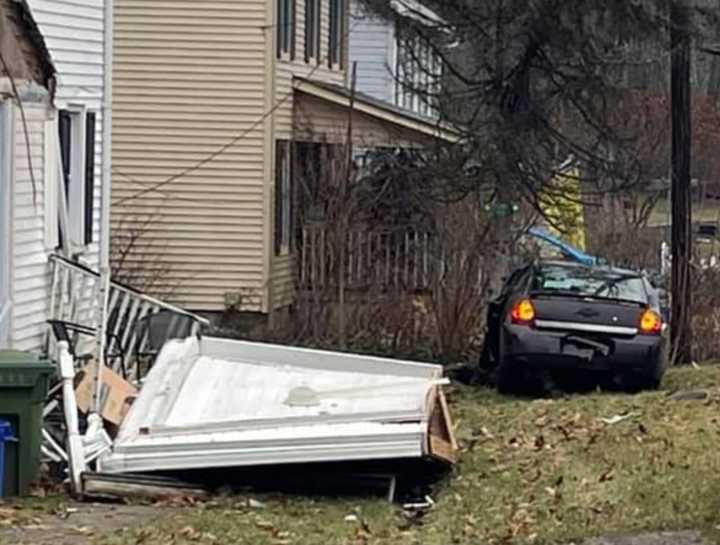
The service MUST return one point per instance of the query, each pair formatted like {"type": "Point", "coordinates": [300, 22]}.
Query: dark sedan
{"type": "Point", "coordinates": [554, 316]}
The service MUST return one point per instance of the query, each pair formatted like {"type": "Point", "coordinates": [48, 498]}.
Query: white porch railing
{"type": "Point", "coordinates": [386, 260]}
{"type": "Point", "coordinates": [137, 324]}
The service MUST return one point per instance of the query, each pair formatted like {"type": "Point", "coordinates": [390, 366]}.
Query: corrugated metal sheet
{"type": "Point", "coordinates": [216, 403]}
{"type": "Point", "coordinates": [189, 77]}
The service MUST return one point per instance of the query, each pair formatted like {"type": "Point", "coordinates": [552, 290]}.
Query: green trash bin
{"type": "Point", "coordinates": [24, 382]}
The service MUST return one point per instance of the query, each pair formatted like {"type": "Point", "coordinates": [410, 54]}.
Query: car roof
{"type": "Point", "coordinates": [575, 265]}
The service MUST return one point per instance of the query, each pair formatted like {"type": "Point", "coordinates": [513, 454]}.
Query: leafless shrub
{"type": "Point", "coordinates": [138, 257]}
{"type": "Point", "coordinates": [705, 318]}
{"type": "Point", "coordinates": [619, 230]}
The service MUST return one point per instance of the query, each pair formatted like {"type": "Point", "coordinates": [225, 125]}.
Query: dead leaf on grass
{"type": "Point", "coordinates": [608, 475]}
{"type": "Point", "coordinates": [83, 530]}
{"type": "Point", "coordinates": [190, 533]}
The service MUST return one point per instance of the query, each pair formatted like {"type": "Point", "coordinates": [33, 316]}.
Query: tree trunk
{"type": "Point", "coordinates": [681, 334]}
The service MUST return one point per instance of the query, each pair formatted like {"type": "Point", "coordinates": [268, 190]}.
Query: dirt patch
{"type": "Point", "coordinates": [78, 524]}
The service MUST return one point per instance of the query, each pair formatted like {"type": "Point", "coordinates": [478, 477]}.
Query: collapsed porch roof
{"type": "Point", "coordinates": [223, 403]}
{"type": "Point", "coordinates": [392, 117]}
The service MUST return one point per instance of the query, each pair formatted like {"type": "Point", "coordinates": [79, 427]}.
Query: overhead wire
{"type": "Point", "coordinates": [199, 164]}
{"type": "Point", "coordinates": [26, 130]}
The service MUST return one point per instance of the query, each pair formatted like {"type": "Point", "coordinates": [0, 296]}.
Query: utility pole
{"type": "Point", "coordinates": [681, 234]}
{"type": "Point", "coordinates": [345, 211]}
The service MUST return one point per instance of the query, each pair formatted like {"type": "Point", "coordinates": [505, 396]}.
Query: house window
{"type": "Point", "coordinates": [337, 33]}
{"type": "Point", "coordinates": [76, 129]}
{"type": "Point", "coordinates": [283, 197]}
{"type": "Point", "coordinates": [418, 76]}
{"type": "Point", "coordinates": [313, 18]}
{"type": "Point", "coordinates": [286, 29]}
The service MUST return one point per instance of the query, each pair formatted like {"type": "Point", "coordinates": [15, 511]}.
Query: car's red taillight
{"type": "Point", "coordinates": [650, 322]}
{"type": "Point", "coordinates": [523, 313]}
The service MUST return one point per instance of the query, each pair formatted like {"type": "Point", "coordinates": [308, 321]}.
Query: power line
{"type": "Point", "coordinates": [154, 188]}
{"type": "Point", "coordinates": [21, 107]}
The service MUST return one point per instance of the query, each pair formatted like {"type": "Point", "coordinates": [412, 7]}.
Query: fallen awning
{"type": "Point", "coordinates": [223, 403]}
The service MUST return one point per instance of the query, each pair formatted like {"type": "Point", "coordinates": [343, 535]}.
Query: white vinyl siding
{"type": "Point", "coordinates": [372, 46]}
{"type": "Point", "coordinates": [74, 33]}
{"type": "Point", "coordinates": [30, 274]}
{"type": "Point", "coordinates": [6, 180]}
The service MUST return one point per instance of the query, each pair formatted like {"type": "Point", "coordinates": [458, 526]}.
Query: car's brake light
{"type": "Point", "coordinates": [650, 322]}
{"type": "Point", "coordinates": [523, 312]}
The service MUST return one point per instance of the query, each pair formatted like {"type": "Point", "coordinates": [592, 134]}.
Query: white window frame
{"type": "Point", "coordinates": [53, 173]}
{"type": "Point", "coordinates": [75, 201]}
{"type": "Point", "coordinates": [421, 71]}
{"type": "Point", "coordinates": [283, 186]}
{"type": "Point", "coordinates": [7, 178]}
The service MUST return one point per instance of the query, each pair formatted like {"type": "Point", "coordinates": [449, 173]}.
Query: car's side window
{"type": "Point", "coordinates": [514, 281]}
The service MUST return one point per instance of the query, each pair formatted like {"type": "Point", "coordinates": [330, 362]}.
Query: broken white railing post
{"type": "Point", "coordinates": [75, 449]}
{"type": "Point", "coordinates": [100, 339]}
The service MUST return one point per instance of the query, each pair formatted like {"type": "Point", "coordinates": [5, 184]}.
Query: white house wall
{"type": "Point", "coordinates": [372, 46]}
{"type": "Point", "coordinates": [74, 33]}
{"type": "Point", "coordinates": [30, 280]}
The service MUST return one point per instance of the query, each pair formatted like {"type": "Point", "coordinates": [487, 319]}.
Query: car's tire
{"type": "Point", "coordinates": [486, 361]}
{"type": "Point", "coordinates": [647, 379]}
{"type": "Point", "coordinates": [506, 377]}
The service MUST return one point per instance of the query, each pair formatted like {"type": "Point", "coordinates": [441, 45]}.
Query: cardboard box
{"type": "Point", "coordinates": [116, 394]}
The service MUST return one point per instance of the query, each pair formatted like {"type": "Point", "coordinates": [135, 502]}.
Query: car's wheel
{"type": "Point", "coordinates": [506, 377]}
{"type": "Point", "coordinates": [486, 361]}
{"type": "Point", "coordinates": [650, 378]}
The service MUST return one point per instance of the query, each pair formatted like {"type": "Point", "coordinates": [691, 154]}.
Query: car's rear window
{"type": "Point", "coordinates": [590, 282]}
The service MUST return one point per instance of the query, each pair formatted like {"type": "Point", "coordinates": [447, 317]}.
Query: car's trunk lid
{"type": "Point", "coordinates": [587, 314]}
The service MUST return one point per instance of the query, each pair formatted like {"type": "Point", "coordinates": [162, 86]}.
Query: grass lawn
{"type": "Point", "coordinates": [532, 471]}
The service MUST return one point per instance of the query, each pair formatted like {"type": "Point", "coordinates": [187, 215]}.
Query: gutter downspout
{"type": "Point", "coordinates": [107, 138]}
{"type": "Point", "coordinates": [104, 258]}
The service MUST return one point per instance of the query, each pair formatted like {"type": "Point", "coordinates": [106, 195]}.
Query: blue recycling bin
{"type": "Point", "coordinates": [6, 436]}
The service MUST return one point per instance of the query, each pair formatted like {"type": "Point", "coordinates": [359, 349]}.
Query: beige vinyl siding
{"type": "Point", "coordinates": [285, 70]}
{"type": "Point", "coordinates": [316, 118]}
{"type": "Point", "coordinates": [283, 281]}
{"type": "Point", "coordinates": [30, 283]}
{"type": "Point", "coordinates": [189, 78]}
{"type": "Point", "coordinates": [282, 267]}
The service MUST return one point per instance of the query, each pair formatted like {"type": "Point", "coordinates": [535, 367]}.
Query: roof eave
{"type": "Point", "coordinates": [387, 114]}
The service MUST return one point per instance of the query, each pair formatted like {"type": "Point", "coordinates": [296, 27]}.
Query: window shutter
{"type": "Point", "coordinates": [89, 174]}
{"type": "Point", "coordinates": [309, 27]}
{"type": "Point", "coordinates": [65, 132]}
{"type": "Point", "coordinates": [293, 28]}
{"type": "Point", "coordinates": [278, 196]}
{"type": "Point", "coordinates": [291, 195]}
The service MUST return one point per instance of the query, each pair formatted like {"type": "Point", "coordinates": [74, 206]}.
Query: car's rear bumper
{"type": "Point", "coordinates": [549, 349]}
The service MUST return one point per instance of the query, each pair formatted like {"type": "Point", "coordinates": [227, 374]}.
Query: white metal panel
{"type": "Point", "coordinates": [217, 402]}
{"type": "Point", "coordinates": [6, 180]}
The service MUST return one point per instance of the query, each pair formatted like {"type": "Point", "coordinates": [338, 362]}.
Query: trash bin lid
{"type": "Point", "coordinates": [6, 431]}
